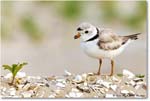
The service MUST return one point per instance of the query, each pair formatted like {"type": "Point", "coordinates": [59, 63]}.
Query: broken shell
{"type": "Point", "coordinates": [131, 93]}
{"type": "Point", "coordinates": [25, 87]}
{"type": "Point", "coordinates": [85, 84]}
{"type": "Point", "coordinates": [91, 79]}
{"type": "Point", "coordinates": [74, 90]}
{"type": "Point", "coordinates": [103, 90]}
{"type": "Point", "coordinates": [137, 79]}
{"type": "Point", "coordinates": [58, 91]}
{"type": "Point", "coordinates": [74, 94]}
{"type": "Point", "coordinates": [91, 74]}
{"type": "Point", "coordinates": [52, 95]}
{"type": "Point", "coordinates": [60, 85]}
{"type": "Point", "coordinates": [33, 88]}
{"type": "Point", "coordinates": [78, 79]}
{"type": "Point", "coordinates": [84, 76]}
{"type": "Point", "coordinates": [106, 84]}
{"type": "Point", "coordinates": [129, 74]}
{"type": "Point", "coordinates": [114, 78]}
{"type": "Point", "coordinates": [137, 86]}
{"type": "Point", "coordinates": [19, 87]}
{"type": "Point", "coordinates": [4, 89]}
{"type": "Point", "coordinates": [50, 78]}
{"type": "Point", "coordinates": [99, 81]}
{"type": "Point", "coordinates": [124, 91]}
{"type": "Point", "coordinates": [67, 73]}
{"type": "Point", "coordinates": [83, 88]}
{"type": "Point", "coordinates": [12, 91]}
{"type": "Point", "coordinates": [110, 96]}
{"type": "Point", "coordinates": [132, 83]}
{"type": "Point", "coordinates": [61, 80]}
{"type": "Point", "coordinates": [113, 87]}
{"type": "Point", "coordinates": [27, 94]}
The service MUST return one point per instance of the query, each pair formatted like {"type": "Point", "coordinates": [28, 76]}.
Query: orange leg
{"type": "Point", "coordinates": [112, 67]}
{"type": "Point", "coordinates": [99, 69]}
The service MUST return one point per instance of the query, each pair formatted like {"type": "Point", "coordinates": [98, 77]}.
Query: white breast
{"type": "Point", "coordinates": [92, 50]}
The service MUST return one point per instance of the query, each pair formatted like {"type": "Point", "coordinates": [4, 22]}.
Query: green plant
{"type": "Point", "coordinates": [140, 76]}
{"type": "Point", "coordinates": [120, 75]}
{"type": "Point", "coordinates": [14, 68]}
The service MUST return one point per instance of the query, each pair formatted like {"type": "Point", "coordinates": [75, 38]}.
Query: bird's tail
{"type": "Point", "coordinates": [133, 36]}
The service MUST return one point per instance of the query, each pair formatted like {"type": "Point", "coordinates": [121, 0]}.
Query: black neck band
{"type": "Point", "coordinates": [94, 37]}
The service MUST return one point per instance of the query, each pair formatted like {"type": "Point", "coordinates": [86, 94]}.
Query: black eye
{"type": "Point", "coordinates": [86, 31]}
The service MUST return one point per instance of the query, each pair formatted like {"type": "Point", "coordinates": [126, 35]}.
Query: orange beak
{"type": "Point", "coordinates": [77, 36]}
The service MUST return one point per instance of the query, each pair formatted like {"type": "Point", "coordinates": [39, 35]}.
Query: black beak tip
{"type": "Point", "coordinates": [75, 37]}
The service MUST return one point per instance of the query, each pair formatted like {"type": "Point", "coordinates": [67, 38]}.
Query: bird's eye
{"type": "Point", "coordinates": [86, 32]}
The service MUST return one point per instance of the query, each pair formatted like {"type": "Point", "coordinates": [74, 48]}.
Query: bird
{"type": "Point", "coordinates": [102, 43]}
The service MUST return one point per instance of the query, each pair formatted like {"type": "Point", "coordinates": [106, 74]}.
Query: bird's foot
{"type": "Point", "coordinates": [98, 73]}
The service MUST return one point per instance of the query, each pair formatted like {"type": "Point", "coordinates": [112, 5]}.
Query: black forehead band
{"type": "Point", "coordinates": [79, 29]}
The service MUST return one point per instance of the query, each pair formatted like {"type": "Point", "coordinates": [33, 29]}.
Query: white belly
{"type": "Point", "coordinates": [91, 49]}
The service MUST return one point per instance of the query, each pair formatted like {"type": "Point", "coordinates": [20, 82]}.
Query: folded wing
{"type": "Point", "coordinates": [108, 40]}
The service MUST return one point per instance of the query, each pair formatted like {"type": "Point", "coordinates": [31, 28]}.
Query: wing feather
{"type": "Point", "coordinates": [108, 40]}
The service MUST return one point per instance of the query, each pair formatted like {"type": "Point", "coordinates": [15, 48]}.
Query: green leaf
{"type": "Point", "coordinates": [140, 76]}
{"type": "Point", "coordinates": [7, 67]}
{"type": "Point", "coordinates": [23, 64]}
{"type": "Point", "coordinates": [19, 66]}
{"type": "Point", "coordinates": [120, 75]}
{"type": "Point", "coordinates": [14, 67]}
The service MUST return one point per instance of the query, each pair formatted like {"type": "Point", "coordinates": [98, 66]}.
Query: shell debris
{"type": "Point", "coordinates": [86, 85]}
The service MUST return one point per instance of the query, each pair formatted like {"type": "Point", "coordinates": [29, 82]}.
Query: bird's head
{"type": "Point", "coordinates": [85, 31]}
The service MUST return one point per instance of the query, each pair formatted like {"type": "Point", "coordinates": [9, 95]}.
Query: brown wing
{"type": "Point", "coordinates": [108, 40]}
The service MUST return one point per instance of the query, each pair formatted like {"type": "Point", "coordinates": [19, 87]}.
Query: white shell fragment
{"type": "Point", "coordinates": [27, 94]}
{"type": "Point", "coordinates": [132, 83]}
{"type": "Point", "coordinates": [74, 95]}
{"type": "Point", "coordinates": [67, 73]}
{"type": "Point", "coordinates": [52, 95]}
{"type": "Point", "coordinates": [125, 92]}
{"type": "Point", "coordinates": [110, 96]}
{"type": "Point", "coordinates": [138, 80]}
{"type": "Point", "coordinates": [25, 87]}
{"type": "Point", "coordinates": [113, 87]}
{"type": "Point", "coordinates": [78, 79]}
{"type": "Point", "coordinates": [60, 84]}
{"type": "Point", "coordinates": [84, 76]}
{"type": "Point", "coordinates": [104, 83]}
{"type": "Point", "coordinates": [12, 91]}
{"type": "Point", "coordinates": [115, 79]}
{"type": "Point", "coordinates": [129, 74]}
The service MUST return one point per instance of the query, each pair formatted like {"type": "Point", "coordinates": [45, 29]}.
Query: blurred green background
{"type": "Point", "coordinates": [41, 33]}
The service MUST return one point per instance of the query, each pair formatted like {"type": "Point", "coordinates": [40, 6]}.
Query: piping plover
{"type": "Point", "coordinates": [102, 43]}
